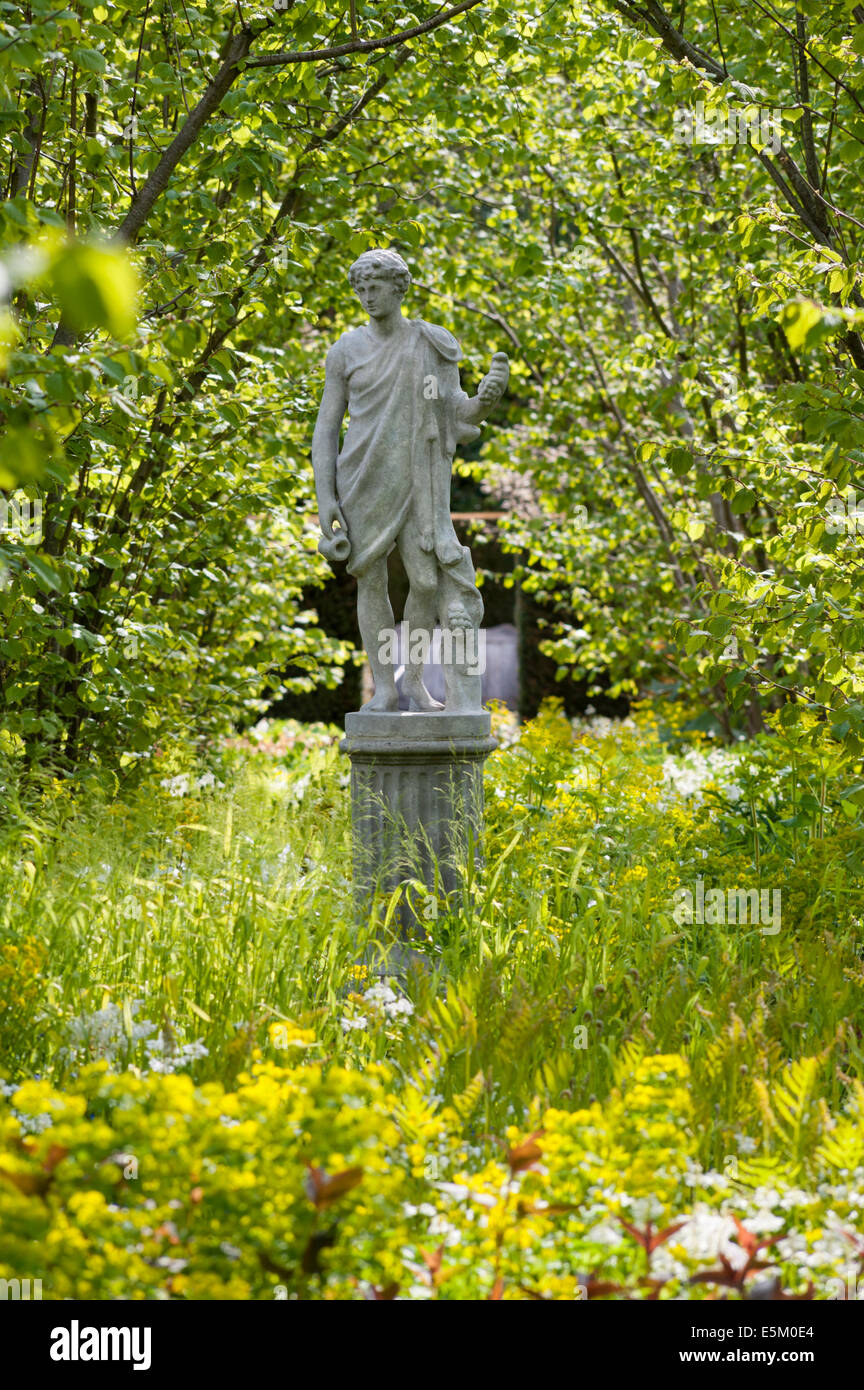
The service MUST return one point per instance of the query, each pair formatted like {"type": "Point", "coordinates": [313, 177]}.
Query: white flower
{"type": "Point", "coordinates": [103, 1031]}
{"type": "Point", "coordinates": [707, 1234]}
{"type": "Point", "coordinates": [424, 1209]}
{"type": "Point", "coordinates": [604, 1234]}
{"type": "Point", "coordinates": [34, 1124]}
{"type": "Point", "coordinates": [106, 1034]}
{"type": "Point", "coordinates": [448, 1234]}
{"type": "Point", "coordinates": [380, 994]}
{"type": "Point", "coordinates": [382, 997]}
{"type": "Point", "coordinates": [349, 1023]}
{"type": "Point", "coordinates": [644, 1209]}
{"type": "Point", "coordinates": [456, 1190]}
{"type": "Point", "coordinates": [167, 1057]}
{"type": "Point", "coordinates": [686, 774]}
{"type": "Point", "coordinates": [176, 786]}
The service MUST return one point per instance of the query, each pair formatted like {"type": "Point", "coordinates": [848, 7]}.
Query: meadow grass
{"type": "Point", "coordinates": [205, 1093]}
{"type": "Point", "coordinates": [213, 904]}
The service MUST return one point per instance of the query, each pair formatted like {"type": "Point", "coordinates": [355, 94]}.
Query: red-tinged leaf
{"type": "Point", "coordinates": [748, 1241]}
{"type": "Point", "coordinates": [497, 1291]}
{"type": "Point", "coordinates": [273, 1267]}
{"type": "Point", "coordinates": [385, 1295]}
{"type": "Point", "coordinates": [526, 1153]}
{"type": "Point", "coordinates": [55, 1155]}
{"type": "Point", "coordinates": [595, 1287]}
{"type": "Point", "coordinates": [433, 1261]}
{"type": "Point", "coordinates": [668, 1231]}
{"type": "Point", "coordinates": [341, 1183]}
{"type": "Point", "coordinates": [315, 1178]}
{"type": "Point", "coordinates": [322, 1189]}
{"type": "Point", "coordinates": [728, 1276]}
{"type": "Point", "coordinates": [655, 1285]}
{"type": "Point", "coordinates": [318, 1241]}
{"type": "Point", "coordinates": [437, 1275]}
{"type": "Point", "coordinates": [601, 1288]}
{"type": "Point", "coordinates": [196, 1195]}
{"type": "Point", "coordinates": [649, 1239]}
{"type": "Point", "coordinates": [29, 1184]}
{"type": "Point", "coordinates": [641, 1237]}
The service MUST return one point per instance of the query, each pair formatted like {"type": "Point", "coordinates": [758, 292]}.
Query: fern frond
{"type": "Point", "coordinates": [466, 1102]}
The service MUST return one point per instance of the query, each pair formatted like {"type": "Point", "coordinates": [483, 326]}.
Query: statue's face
{"type": "Point", "coordinates": [378, 294]}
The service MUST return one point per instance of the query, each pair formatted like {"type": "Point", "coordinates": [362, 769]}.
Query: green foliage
{"type": "Point", "coordinates": [681, 303]}
{"type": "Point", "coordinates": [243, 1109]}
{"type": "Point", "coordinates": [568, 947]}
{"type": "Point", "coordinates": [683, 311]}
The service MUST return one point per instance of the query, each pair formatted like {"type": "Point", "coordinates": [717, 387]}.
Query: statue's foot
{"type": "Point", "coordinates": [384, 700]}
{"type": "Point", "coordinates": [419, 699]}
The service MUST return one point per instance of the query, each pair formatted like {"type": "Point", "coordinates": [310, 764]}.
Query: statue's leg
{"type": "Point", "coordinates": [421, 611]}
{"type": "Point", "coordinates": [375, 619]}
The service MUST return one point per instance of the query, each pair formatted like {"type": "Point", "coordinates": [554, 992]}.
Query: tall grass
{"type": "Point", "coordinates": [215, 910]}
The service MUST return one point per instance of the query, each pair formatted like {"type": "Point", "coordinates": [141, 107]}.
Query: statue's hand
{"type": "Point", "coordinates": [329, 515]}
{"type": "Point", "coordinates": [494, 383]}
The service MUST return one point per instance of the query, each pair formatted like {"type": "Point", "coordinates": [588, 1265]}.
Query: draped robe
{"type": "Point", "coordinates": [404, 400]}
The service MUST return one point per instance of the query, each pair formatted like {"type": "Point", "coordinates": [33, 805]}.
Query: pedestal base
{"type": "Point", "coordinates": [416, 803]}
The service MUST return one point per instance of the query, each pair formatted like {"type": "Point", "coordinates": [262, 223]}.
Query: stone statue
{"type": "Point", "coordinates": [389, 484]}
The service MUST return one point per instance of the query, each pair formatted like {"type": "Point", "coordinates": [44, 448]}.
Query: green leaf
{"type": "Point", "coordinates": [743, 501]}
{"type": "Point", "coordinates": [47, 578]}
{"type": "Point", "coordinates": [680, 460]}
{"type": "Point", "coordinates": [90, 59]}
{"type": "Point", "coordinates": [96, 287]}
{"type": "Point", "coordinates": [806, 324]}
{"type": "Point", "coordinates": [22, 457]}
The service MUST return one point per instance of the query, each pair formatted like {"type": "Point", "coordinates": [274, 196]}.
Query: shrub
{"type": "Point", "coordinates": [315, 1181]}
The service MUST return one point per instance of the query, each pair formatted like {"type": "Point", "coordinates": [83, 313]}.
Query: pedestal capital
{"type": "Point", "coordinates": [405, 735]}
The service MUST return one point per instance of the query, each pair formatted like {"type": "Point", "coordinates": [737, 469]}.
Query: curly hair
{"type": "Point", "coordinates": [381, 262]}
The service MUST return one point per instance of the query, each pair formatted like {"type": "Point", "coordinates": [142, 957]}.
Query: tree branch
{"type": "Point", "coordinates": [314, 55]}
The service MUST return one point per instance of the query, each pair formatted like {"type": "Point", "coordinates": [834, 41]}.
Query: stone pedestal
{"type": "Point", "coordinates": [416, 803]}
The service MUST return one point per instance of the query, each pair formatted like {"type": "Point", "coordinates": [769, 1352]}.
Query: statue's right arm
{"type": "Point", "coordinates": [325, 442]}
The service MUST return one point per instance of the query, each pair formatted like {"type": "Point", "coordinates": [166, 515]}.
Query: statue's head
{"type": "Point", "coordinates": [379, 279]}
{"type": "Point", "coordinates": [384, 265]}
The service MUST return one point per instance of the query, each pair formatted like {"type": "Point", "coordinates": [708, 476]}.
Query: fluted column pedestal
{"type": "Point", "coordinates": [416, 802]}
